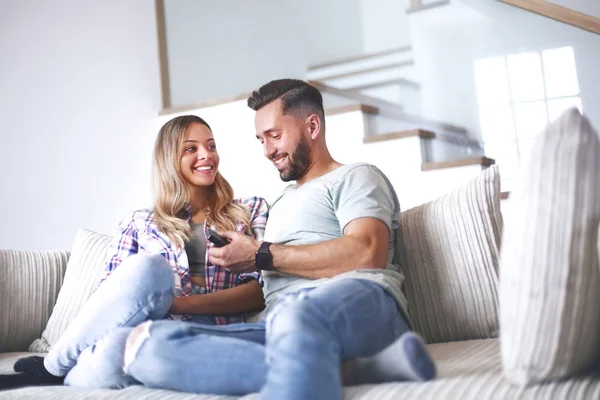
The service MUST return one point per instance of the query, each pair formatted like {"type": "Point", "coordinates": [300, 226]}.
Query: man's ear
{"type": "Point", "coordinates": [314, 126]}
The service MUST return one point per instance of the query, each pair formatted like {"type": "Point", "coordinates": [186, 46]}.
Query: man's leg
{"type": "Point", "coordinates": [189, 357]}
{"type": "Point", "coordinates": [309, 335]}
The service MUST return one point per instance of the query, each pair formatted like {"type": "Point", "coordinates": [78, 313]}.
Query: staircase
{"type": "Point", "coordinates": [385, 87]}
{"type": "Point", "coordinates": [388, 75]}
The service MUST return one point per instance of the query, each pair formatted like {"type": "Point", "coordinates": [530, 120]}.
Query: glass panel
{"type": "Point", "coordinates": [497, 123]}
{"type": "Point", "coordinates": [506, 156]}
{"type": "Point", "coordinates": [525, 147]}
{"type": "Point", "coordinates": [530, 118]}
{"type": "Point", "coordinates": [557, 106]}
{"type": "Point", "coordinates": [491, 81]}
{"type": "Point", "coordinates": [560, 72]}
{"type": "Point", "coordinates": [525, 72]}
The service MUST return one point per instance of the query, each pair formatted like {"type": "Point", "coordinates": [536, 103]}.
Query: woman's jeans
{"type": "Point", "coordinates": [140, 289]}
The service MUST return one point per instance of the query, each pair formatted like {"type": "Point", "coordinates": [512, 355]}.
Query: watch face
{"type": "Point", "coordinates": [263, 257]}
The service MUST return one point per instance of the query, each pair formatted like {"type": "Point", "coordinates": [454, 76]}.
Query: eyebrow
{"type": "Point", "coordinates": [195, 141]}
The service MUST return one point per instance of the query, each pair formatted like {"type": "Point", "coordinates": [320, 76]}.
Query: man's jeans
{"type": "Point", "coordinates": [308, 335]}
{"type": "Point", "coordinates": [141, 289]}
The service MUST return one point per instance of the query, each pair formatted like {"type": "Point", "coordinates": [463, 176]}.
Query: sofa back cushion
{"type": "Point", "coordinates": [29, 285]}
{"type": "Point", "coordinates": [452, 247]}
{"type": "Point", "coordinates": [84, 269]}
{"type": "Point", "coordinates": [550, 281]}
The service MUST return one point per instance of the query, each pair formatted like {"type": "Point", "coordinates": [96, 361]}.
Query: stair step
{"type": "Point", "coordinates": [361, 57]}
{"type": "Point", "coordinates": [347, 73]}
{"type": "Point", "coordinates": [352, 107]}
{"type": "Point", "coordinates": [365, 71]}
{"type": "Point", "coordinates": [394, 81]}
{"type": "Point", "coordinates": [424, 134]}
{"type": "Point", "coordinates": [461, 162]}
{"type": "Point", "coordinates": [418, 6]}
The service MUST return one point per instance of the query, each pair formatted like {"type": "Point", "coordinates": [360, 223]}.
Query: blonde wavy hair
{"type": "Point", "coordinates": [171, 193]}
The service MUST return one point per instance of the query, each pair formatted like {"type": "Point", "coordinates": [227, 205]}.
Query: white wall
{"type": "Point", "coordinates": [78, 100]}
{"type": "Point", "coordinates": [227, 47]}
{"type": "Point", "coordinates": [591, 7]}
{"type": "Point", "coordinates": [384, 24]}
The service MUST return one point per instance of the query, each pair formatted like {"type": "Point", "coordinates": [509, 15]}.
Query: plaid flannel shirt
{"type": "Point", "coordinates": [139, 233]}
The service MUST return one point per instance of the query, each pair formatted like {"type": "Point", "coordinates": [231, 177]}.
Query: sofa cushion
{"type": "Point", "coordinates": [29, 285]}
{"type": "Point", "coordinates": [550, 282]}
{"type": "Point", "coordinates": [451, 267]}
{"type": "Point", "coordinates": [469, 370]}
{"type": "Point", "coordinates": [84, 269]}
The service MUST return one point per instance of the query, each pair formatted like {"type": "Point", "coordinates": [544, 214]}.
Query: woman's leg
{"type": "Point", "coordinates": [101, 365]}
{"type": "Point", "coordinates": [140, 289]}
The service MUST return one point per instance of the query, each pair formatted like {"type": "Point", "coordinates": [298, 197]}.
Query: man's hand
{"type": "Point", "coordinates": [238, 256]}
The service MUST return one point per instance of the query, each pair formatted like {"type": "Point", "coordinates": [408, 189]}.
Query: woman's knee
{"type": "Point", "coordinates": [148, 271]}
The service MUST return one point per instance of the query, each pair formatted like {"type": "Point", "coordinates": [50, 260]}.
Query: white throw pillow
{"type": "Point", "coordinates": [84, 270]}
{"type": "Point", "coordinates": [452, 262]}
{"type": "Point", "coordinates": [550, 282]}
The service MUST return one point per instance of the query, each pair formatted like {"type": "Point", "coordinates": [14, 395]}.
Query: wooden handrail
{"type": "Point", "coordinates": [558, 13]}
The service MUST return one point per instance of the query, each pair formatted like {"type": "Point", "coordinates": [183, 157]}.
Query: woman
{"type": "Point", "coordinates": [159, 266]}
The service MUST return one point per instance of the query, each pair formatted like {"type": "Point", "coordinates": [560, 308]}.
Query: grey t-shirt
{"type": "Point", "coordinates": [320, 210]}
{"type": "Point", "coordinates": [196, 250]}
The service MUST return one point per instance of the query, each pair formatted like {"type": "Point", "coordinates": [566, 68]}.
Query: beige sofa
{"type": "Point", "coordinates": [452, 286]}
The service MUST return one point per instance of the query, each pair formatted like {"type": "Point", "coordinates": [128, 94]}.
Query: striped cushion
{"type": "Point", "coordinates": [29, 284]}
{"type": "Point", "coordinates": [452, 262]}
{"type": "Point", "coordinates": [550, 290]}
{"type": "Point", "coordinates": [84, 269]}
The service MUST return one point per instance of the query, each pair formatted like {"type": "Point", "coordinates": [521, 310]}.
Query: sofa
{"type": "Point", "coordinates": [451, 252]}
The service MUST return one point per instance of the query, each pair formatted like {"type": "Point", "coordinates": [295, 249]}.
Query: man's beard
{"type": "Point", "coordinates": [299, 162]}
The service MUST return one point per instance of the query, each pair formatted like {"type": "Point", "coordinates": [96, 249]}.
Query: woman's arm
{"type": "Point", "coordinates": [122, 245]}
{"type": "Point", "coordinates": [238, 299]}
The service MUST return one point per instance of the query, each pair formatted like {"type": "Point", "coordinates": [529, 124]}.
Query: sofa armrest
{"type": "Point", "coordinates": [29, 285]}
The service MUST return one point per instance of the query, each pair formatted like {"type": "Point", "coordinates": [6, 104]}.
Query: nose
{"type": "Point", "coordinates": [269, 149]}
{"type": "Point", "coordinates": [204, 154]}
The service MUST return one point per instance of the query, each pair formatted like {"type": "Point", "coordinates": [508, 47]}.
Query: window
{"type": "Point", "coordinates": [517, 96]}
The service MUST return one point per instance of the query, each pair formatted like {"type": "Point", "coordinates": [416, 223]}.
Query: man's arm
{"type": "Point", "coordinates": [364, 245]}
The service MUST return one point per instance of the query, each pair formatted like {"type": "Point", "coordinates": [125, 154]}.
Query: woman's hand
{"type": "Point", "coordinates": [179, 306]}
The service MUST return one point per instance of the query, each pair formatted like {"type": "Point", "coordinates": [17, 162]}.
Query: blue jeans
{"type": "Point", "coordinates": [296, 354]}
{"type": "Point", "coordinates": [140, 289]}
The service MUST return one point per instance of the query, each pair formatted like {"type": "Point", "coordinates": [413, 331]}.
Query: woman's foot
{"type": "Point", "coordinates": [32, 373]}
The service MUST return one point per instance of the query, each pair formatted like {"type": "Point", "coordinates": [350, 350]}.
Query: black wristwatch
{"type": "Point", "coordinates": [264, 261]}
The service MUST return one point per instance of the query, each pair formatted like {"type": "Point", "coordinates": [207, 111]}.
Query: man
{"type": "Point", "coordinates": [332, 283]}
{"type": "Point", "coordinates": [331, 271]}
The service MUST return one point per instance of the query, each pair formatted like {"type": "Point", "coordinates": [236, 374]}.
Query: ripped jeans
{"type": "Point", "coordinates": [295, 354]}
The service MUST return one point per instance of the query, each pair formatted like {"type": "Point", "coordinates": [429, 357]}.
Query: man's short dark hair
{"type": "Point", "coordinates": [296, 96]}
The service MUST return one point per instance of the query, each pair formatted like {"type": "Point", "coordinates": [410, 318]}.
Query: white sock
{"type": "Point", "coordinates": [407, 359]}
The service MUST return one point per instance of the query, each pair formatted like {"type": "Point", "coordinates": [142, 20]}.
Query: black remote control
{"type": "Point", "coordinates": [216, 239]}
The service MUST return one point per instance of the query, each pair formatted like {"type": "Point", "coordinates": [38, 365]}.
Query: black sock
{"type": "Point", "coordinates": [33, 374]}
{"type": "Point", "coordinates": [30, 364]}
